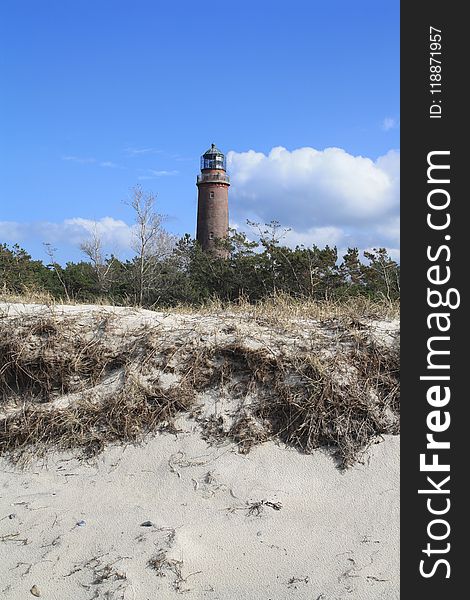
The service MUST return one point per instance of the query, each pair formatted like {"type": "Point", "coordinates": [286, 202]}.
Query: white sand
{"type": "Point", "coordinates": [337, 533]}
{"type": "Point", "coordinates": [74, 529]}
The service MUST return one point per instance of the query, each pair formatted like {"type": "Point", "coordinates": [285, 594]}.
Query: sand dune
{"type": "Point", "coordinates": [195, 509]}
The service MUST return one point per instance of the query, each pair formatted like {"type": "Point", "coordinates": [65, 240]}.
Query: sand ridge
{"type": "Point", "coordinates": [182, 514]}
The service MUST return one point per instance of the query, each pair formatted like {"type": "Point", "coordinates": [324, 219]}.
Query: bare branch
{"type": "Point", "coordinates": [151, 243]}
{"type": "Point", "coordinates": [93, 249]}
{"type": "Point", "coordinates": [50, 251]}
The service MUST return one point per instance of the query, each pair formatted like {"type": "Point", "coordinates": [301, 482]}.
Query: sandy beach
{"type": "Point", "coordinates": [180, 515]}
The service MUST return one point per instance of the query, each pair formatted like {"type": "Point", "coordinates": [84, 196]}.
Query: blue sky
{"type": "Point", "coordinates": [101, 95]}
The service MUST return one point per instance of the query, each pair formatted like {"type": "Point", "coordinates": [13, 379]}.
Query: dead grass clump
{"type": "Point", "coordinates": [126, 416]}
{"type": "Point", "coordinates": [44, 355]}
{"type": "Point", "coordinates": [70, 383]}
{"type": "Point", "coordinates": [212, 429]}
{"type": "Point", "coordinates": [158, 563]}
{"type": "Point", "coordinates": [381, 368]}
{"type": "Point", "coordinates": [247, 431]}
{"type": "Point", "coordinates": [108, 573]}
{"type": "Point", "coordinates": [164, 566]}
{"type": "Point", "coordinates": [342, 402]}
{"type": "Point", "coordinates": [213, 367]}
{"type": "Point", "coordinates": [257, 508]}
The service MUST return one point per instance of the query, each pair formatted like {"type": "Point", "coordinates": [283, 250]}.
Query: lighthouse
{"type": "Point", "coordinates": [212, 204]}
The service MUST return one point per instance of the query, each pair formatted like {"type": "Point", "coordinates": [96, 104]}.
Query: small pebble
{"type": "Point", "coordinates": [81, 523]}
{"type": "Point", "coordinates": [146, 524]}
{"type": "Point", "coordinates": [35, 591]}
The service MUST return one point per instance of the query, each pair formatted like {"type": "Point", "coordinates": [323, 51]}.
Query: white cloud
{"type": "Point", "coordinates": [325, 197]}
{"type": "Point", "coordinates": [389, 123]}
{"type": "Point", "coordinates": [109, 164]}
{"type": "Point", "coordinates": [140, 151]}
{"type": "Point", "coordinates": [163, 173]}
{"type": "Point", "coordinates": [153, 174]}
{"type": "Point", "coordinates": [91, 161]}
{"type": "Point", "coordinates": [114, 233]}
{"type": "Point", "coordinates": [11, 232]}
{"type": "Point", "coordinates": [320, 236]}
{"type": "Point", "coordinates": [80, 159]}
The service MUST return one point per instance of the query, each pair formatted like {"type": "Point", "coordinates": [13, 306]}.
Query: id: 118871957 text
{"type": "Point", "coordinates": [435, 72]}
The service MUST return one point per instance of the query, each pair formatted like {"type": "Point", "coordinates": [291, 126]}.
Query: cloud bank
{"type": "Point", "coordinates": [108, 164]}
{"type": "Point", "coordinates": [115, 234]}
{"type": "Point", "coordinates": [325, 196]}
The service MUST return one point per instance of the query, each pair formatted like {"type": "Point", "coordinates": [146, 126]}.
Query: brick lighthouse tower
{"type": "Point", "coordinates": [212, 205]}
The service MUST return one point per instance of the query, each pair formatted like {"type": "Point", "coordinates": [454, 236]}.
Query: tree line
{"type": "Point", "coordinates": [166, 271]}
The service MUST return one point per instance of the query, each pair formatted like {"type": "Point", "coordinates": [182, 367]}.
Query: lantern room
{"type": "Point", "coordinates": [213, 159]}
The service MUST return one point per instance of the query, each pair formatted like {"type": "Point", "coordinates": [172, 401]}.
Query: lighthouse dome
{"type": "Point", "coordinates": [213, 159]}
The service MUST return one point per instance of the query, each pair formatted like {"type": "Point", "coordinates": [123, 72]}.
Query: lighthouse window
{"type": "Point", "coordinates": [211, 194]}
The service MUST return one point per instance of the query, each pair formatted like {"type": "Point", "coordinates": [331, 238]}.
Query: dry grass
{"type": "Point", "coordinates": [35, 295]}
{"type": "Point", "coordinates": [341, 398]}
{"type": "Point", "coordinates": [322, 408]}
{"type": "Point", "coordinates": [278, 308]}
{"type": "Point", "coordinates": [124, 417]}
{"type": "Point", "coordinates": [43, 354]}
{"type": "Point", "coordinates": [28, 295]}
{"type": "Point", "coordinates": [342, 402]}
{"type": "Point", "coordinates": [282, 308]}
{"type": "Point", "coordinates": [45, 357]}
